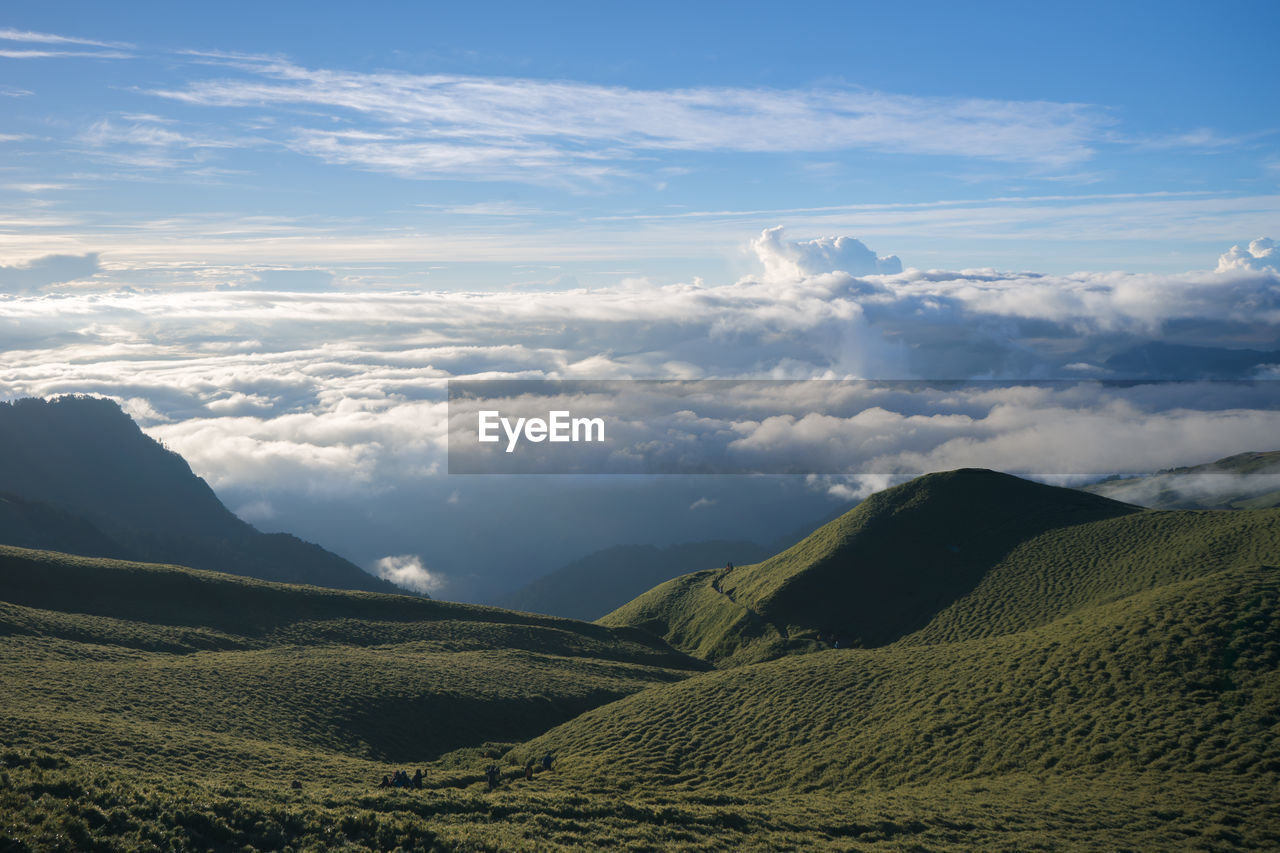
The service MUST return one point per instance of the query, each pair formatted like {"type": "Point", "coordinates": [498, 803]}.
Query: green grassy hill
{"type": "Point", "coordinates": [105, 653]}
{"type": "Point", "coordinates": [1151, 723]}
{"type": "Point", "coordinates": [1183, 677]}
{"type": "Point", "coordinates": [1054, 671]}
{"type": "Point", "coordinates": [1244, 481]}
{"type": "Point", "coordinates": [1070, 569]}
{"type": "Point", "coordinates": [877, 573]}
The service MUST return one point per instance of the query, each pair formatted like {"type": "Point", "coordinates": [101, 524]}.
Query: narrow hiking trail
{"type": "Point", "coordinates": [755, 617]}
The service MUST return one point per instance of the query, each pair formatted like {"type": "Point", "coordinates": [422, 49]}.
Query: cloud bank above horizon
{"type": "Point", "coordinates": [309, 389]}
{"type": "Point", "coordinates": [285, 396]}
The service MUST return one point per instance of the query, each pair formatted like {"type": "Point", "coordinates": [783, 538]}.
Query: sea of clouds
{"type": "Point", "coordinates": [325, 412]}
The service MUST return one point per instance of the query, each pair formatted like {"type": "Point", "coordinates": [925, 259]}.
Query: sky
{"type": "Point", "coordinates": [274, 231]}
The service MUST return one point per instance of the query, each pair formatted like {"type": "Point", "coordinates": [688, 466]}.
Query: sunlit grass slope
{"type": "Point", "coordinates": [1071, 568]}
{"type": "Point", "coordinates": [1182, 678]}
{"type": "Point", "coordinates": [879, 572]}
{"type": "Point", "coordinates": [153, 666]}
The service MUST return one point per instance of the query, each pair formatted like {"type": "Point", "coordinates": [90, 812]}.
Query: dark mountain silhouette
{"type": "Point", "coordinates": [32, 524]}
{"type": "Point", "coordinates": [1159, 360]}
{"type": "Point", "coordinates": [604, 580]}
{"type": "Point", "coordinates": [78, 475]}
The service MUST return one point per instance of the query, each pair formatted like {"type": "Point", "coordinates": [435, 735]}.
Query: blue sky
{"type": "Point", "coordinates": [456, 145]}
{"type": "Point", "coordinates": [274, 231]}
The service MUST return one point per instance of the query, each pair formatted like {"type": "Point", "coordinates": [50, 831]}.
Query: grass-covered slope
{"type": "Point", "coordinates": [151, 665]}
{"type": "Point", "coordinates": [1072, 568]}
{"type": "Point", "coordinates": [879, 572]}
{"type": "Point", "coordinates": [1106, 685]}
{"type": "Point", "coordinates": [1243, 481]}
{"type": "Point", "coordinates": [1180, 679]}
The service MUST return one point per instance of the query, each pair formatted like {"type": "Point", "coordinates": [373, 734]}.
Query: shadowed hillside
{"type": "Point", "coordinates": [32, 524]}
{"type": "Point", "coordinates": [879, 572]}
{"type": "Point", "coordinates": [82, 478]}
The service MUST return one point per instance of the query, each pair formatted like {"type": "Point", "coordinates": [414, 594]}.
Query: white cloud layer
{"type": "Point", "coordinates": [292, 398]}
{"type": "Point", "coordinates": [330, 391]}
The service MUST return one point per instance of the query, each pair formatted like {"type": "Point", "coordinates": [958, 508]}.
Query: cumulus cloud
{"type": "Point", "coordinates": [1262, 255]}
{"type": "Point", "coordinates": [45, 271]}
{"type": "Point", "coordinates": [407, 571]}
{"type": "Point", "coordinates": [790, 259]}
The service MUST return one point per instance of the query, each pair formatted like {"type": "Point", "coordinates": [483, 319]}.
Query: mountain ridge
{"type": "Point", "coordinates": [81, 476]}
{"type": "Point", "coordinates": [875, 574]}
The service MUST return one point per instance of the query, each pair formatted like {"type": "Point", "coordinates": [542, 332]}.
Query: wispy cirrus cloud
{"type": "Point", "coordinates": [9, 34]}
{"type": "Point", "coordinates": [151, 142]}
{"type": "Point", "coordinates": [438, 125]}
{"type": "Point", "coordinates": [10, 53]}
{"type": "Point", "coordinates": [57, 46]}
{"type": "Point", "coordinates": [1203, 139]}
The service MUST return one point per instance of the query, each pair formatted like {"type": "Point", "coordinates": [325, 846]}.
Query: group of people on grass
{"type": "Point", "coordinates": [401, 779]}
{"type": "Point", "coordinates": [492, 775]}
